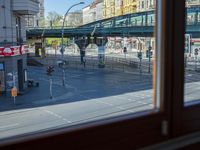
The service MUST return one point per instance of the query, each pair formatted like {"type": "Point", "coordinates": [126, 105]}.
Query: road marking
{"type": "Point", "coordinates": [131, 100]}
{"type": "Point", "coordinates": [104, 102]}
{"type": "Point", "coordinates": [56, 115]}
{"type": "Point", "coordinates": [124, 109]}
{"type": "Point", "coordinates": [130, 111]}
{"type": "Point", "coordinates": [9, 126]}
{"type": "Point", "coordinates": [140, 102]}
{"type": "Point", "coordinates": [189, 75]}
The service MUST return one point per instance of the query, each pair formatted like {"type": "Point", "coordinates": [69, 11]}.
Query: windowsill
{"type": "Point", "coordinates": [79, 127]}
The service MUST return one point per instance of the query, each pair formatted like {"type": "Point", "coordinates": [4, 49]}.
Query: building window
{"type": "Point", "coordinates": [37, 23]}
{"type": "Point", "coordinates": [142, 4]}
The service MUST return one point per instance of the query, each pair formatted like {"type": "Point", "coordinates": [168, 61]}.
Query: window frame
{"type": "Point", "coordinates": [130, 131]}
{"type": "Point", "coordinates": [185, 119]}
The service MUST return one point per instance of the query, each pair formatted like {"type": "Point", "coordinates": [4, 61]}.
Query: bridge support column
{"type": "Point", "coordinates": [43, 50]}
{"type": "Point", "coordinates": [82, 43]}
{"type": "Point", "coordinates": [40, 48]}
{"type": "Point", "coordinates": [101, 43]}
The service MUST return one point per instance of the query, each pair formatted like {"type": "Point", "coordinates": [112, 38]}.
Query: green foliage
{"type": "Point", "coordinates": [54, 19]}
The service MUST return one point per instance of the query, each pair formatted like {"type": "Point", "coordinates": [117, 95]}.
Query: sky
{"type": "Point", "coordinates": [61, 6]}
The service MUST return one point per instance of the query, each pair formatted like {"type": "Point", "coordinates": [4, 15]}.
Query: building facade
{"type": "Point", "coordinates": [113, 8]}
{"type": "Point", "coordinates": [74, 19]}
{"type": "Point", "coordinates": [129, 6]}
{"type": "Point", "coordinates": [99, 10]}
{"type": "Point", "coordinates": [37, 20]}
{"type": "Point", "coordinates": [109, 8]}
{"type": "Point", "coordinates": [190, 3]}
{"type": "Point", "coordinates": [145, 5]}
{"type": "Point", "coordinates": [93, 12]}
{"type": "Point", "coordinates": [13, 48]}
{"type": "Point", "coordinates": [118, 7]}
{"type": "Point", "coordinates": [86, 14]}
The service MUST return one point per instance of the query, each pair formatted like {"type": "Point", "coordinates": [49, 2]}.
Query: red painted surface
{"type": "Point", "coordinates": [13, 50]}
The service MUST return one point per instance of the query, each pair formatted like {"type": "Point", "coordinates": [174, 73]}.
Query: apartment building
{"type": "Point", "coordinates": [129, 6]}
{"type": "Point", "coordinates": [109, 8]}
{"type": "Point", "coordinates": [118, 7]}
{"type": "Point", "coordinates": [13, 48]}
{"type": "Point", "coordinates": [93, 12]}
{"type": "Point", "coordinates": [36, 20]}
{"type": "Point", "coordinates": [145, 5]}
{"type": "Point", "coordinates": [74, 19]}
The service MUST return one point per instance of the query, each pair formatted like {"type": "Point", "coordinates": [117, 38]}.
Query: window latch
{"type": "Point", "coordinates": [164, 128]}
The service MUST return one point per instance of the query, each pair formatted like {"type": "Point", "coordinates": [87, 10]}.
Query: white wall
{"type": "Point", "coordinates": [99, 11]}
{"type": "Point", "coordinates": [86, 15]}
{"type": "Point", "coordinates": [8, 23]}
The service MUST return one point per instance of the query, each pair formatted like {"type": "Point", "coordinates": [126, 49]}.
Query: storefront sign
{"type": "Point", "coordinates": [24, 49]}
{"type": "Point", "coordinates": [13, 50]}
{"type": "Point", "coordinates": [1, 51]}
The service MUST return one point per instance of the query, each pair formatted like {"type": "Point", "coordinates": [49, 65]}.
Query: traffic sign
{"type": "Point", "coordinates": [14, 92]}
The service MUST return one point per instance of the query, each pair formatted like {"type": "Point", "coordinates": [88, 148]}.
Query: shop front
{"type": "Point", "coordinates": [13, 68]}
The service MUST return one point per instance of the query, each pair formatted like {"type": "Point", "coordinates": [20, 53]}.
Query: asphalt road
{"type": "Point", "coordinates": [89, 95]}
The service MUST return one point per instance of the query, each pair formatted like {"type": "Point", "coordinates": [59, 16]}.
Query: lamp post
{"type": "Point", "coordinates": [62, 47]}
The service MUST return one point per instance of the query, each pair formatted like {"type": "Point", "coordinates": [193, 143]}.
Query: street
{"type": "Point", "coordinates": [89, 95]}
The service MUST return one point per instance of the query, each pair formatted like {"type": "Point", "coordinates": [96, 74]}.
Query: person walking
{"type": "Point", "coordinates": [84, 61]}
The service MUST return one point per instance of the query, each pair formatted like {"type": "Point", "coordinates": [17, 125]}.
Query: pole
{"type": "Point", "coordinates": [14, 85]}
{"type": "Point", "coordinates": [14, 99]}
{"type": "Point", "coordinates": [185, 61]}
{"type": "Point", "coordinates": [62, 48]}
{"type": "Point", "coordinates": [14, 79]}
{"type": "Point", "coordinates": [149, 70]}
{"type": "Point", "coordinates": [140, 58]}
{"type": "Point", "coordinates": [149, 51]}
{"type": "Point", "coordinates": [149, 54]}
{"type": "Point", "coordinates": [195, 62]}
{"type": "Point", "coordinates": [50, 88]}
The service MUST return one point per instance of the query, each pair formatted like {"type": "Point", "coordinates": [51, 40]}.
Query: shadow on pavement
{"type": "Point", "coordinates": [82, 84]}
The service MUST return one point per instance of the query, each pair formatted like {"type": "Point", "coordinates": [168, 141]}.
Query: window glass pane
{"type": "Point", "coordinates": [192, 50]}
{"type": "Point", "coordinates": [99, 64]}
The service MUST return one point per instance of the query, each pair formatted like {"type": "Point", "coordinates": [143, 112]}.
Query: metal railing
{"type": "Point", "coordinates": [112, 63]}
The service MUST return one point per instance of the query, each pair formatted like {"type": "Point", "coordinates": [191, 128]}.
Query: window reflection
{"type": "Point", "coordinates": [192, 50]}
{"type": "Point", "coordinates": [98, 62]}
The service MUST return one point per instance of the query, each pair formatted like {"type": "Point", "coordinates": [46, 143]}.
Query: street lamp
{"type": "Point", "coordinates": [62, 47]}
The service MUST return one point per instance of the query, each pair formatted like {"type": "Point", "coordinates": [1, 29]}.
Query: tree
{"type": "Point", "coordinates": [54, 19]}
{"type": "Point", "coordinates": [42, 22]}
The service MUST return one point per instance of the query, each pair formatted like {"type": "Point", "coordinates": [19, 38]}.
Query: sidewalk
{"type": "Point", "coordinates": [36, 96]}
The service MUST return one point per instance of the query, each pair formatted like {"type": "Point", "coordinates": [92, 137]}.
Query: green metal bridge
{"type": "Point", "coordinates": [136, 25]}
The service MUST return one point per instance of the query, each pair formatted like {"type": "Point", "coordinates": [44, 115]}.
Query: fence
{"type": "Point", "coordinates": [112, 63]}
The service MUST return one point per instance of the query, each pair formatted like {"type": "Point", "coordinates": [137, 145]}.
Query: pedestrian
{"type": "Point", "coordinates": [84, 61]}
